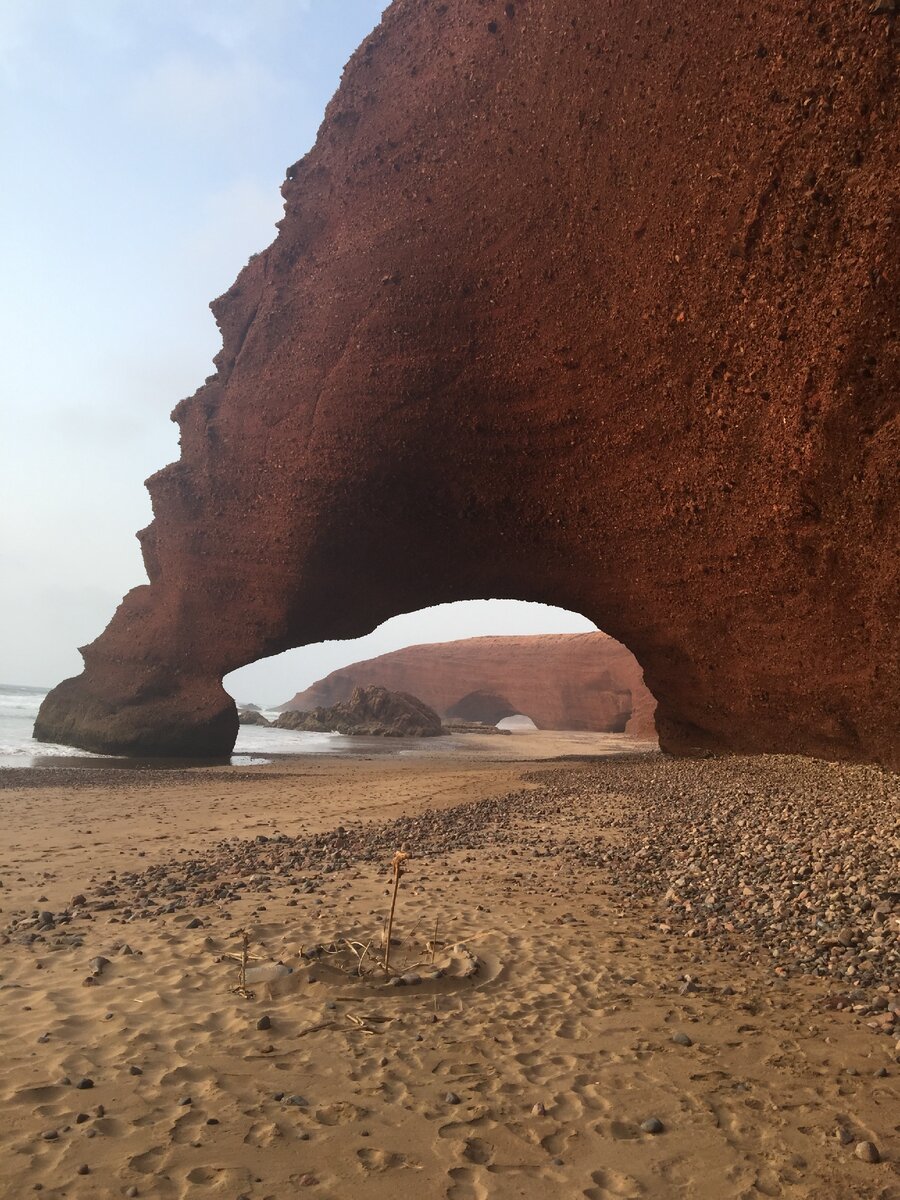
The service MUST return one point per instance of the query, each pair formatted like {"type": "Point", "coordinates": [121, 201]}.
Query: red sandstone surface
{"type": "Point", "coordinates": [583, 303]}
{"type": "Point", "coordinates": [561, 681]}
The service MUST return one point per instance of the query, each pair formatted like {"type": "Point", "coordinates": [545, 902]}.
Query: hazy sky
{"type": "Point", "coordinates": [143, 143]}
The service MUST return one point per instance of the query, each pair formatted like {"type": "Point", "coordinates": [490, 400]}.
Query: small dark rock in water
{"type": "Point", "coordinates": [681, 1039]}
{"type": "Point", "coordinates": [84, 1084]}
{"type": "Point", "coordinates": [452, 1098]}
{"type": "Point", "coordinates": [867, 1152]}
{"type": "Point", "coordinates": [652, 1125]}
{"type": "Point", "coordinates": [264, 1022]}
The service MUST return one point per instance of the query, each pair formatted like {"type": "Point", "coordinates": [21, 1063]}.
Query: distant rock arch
{"type": "Point", "coordinates": [485, 707]}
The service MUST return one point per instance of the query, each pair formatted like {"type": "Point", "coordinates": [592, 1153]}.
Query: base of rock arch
{"type": "Point", "coordinates": [560, 309]}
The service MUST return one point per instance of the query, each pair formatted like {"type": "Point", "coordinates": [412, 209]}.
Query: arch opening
{"type": "Point", "coordinates": [475, 663]}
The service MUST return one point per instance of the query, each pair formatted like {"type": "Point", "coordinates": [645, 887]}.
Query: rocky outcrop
{"type": "Point", "coordinates": [252, 716]}
{"type": "Point", "coordinates": [561, 681]}
{"type": "Point", "coordinates": [564, 309]}
{"type": "Point", "coordinates": [369, 712]}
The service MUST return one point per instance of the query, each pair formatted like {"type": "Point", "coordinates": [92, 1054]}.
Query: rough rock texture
{"type": "Point", "coordinates": [252, 716]}
{"type": "Point", "coordinates": [561, 681]}
{"type": "Point", "coordinates": [584, 303]}
{"type": "Point", "coordinates": [369, 712]}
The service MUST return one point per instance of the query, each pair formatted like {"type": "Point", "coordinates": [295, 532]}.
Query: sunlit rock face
{"type": "Point", "coordinates": [561, 681]}
{"type": "Point", "coordinates": [590, 304]}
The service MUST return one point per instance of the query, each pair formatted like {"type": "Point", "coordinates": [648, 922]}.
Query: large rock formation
{"type": "Point", "coordinates": [368, 712]}
{"type": "Point", "coordinates": [561, 681]}
{"type": "Point", "coordinates": [593, 304]}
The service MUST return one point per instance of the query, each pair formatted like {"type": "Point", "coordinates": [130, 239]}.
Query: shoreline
{"type": "Point", "coordinates": [556, 1052]}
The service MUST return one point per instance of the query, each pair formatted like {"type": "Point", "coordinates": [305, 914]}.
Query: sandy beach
{"type": "Point", "coordinates": [624, 1006]}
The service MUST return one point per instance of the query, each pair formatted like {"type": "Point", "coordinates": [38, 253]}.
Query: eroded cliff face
{"type": "Point", "coordinates": [582, 303]}
{"type": "Point", "coordinates": [561, 681]}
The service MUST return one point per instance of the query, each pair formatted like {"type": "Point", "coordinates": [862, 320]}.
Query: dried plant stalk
{"type": "Point", "coordinates": [397, 867]}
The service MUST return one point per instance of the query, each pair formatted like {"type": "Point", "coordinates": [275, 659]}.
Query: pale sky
{"type": "Point", "coordinates": [143, 144]}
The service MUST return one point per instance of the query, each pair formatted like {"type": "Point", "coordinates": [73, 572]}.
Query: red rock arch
{"type": "Point", "coordinates": [564, 310]}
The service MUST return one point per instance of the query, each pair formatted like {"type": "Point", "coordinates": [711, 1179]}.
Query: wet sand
{"type": "Point", "coordinates": [608, 1044]}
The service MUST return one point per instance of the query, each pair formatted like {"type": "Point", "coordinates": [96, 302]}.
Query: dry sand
{"type": "Point", "coordinates": [531, 1078]}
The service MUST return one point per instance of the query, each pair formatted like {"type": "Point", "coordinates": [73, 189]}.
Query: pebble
{"type": "Point", "coordinates": [452, 1098]}
{"type": "Point", "coordinates": [652, 1125]}
{"type": "Point", "coordinates": [264, 1022]}
{"type": "Point", "coordinates": [867, 1152]}
{"type": "Point", "coordinates": [682, 1039]}
{"type": "Point", "coordinates": [132, 1070]}
{"type": "Point", "coordinates": [132, 1192]}
{"type": "Point", "coordinates": [84, 1169]}
{"type": "Point", "coordinates": [84, 1084]}
{"type": "Point", "coordinates": [538, 1110]}
{"type": "Point", "coordinates": [184, 1101]}
{"type": "Point", "coordinates": [50, 1135]}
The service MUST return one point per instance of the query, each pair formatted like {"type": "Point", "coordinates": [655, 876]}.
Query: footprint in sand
{"type": "Point", "coordinates": [609, 1184]}
{"type": "Point", "coordinates": [464, 1185]}
{"type": "Point", "coordinates": [341, 1113]}
{"type": "Point", "coordinates": [384, 1160]}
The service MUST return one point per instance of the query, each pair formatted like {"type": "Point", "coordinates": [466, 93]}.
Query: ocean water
{"type": "Point", "coordinates": [255, 744]}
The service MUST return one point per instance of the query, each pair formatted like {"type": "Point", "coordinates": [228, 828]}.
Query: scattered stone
{"type": "Point", "coordinates": [84, 1084]}
{"type": "Point", "coordinates": [682, 1039]}
{"type": "Point", "coordinates": [264, 1022]}
{"type": "Point", "coordinates": [84, 1169]}
{"type": "Point", "coordinates": [50, 1135]}
{"type": "Point", "coordinates": [452, 1098]}
{"type": "Point", "coordinates": [538, 1110]}
{"type": "Point", "coordinates": [652, 1125]}
{"type": "Point", "coordinates": [867, 1152]}
{"type": "Point", "coordinates": [133, 1070]}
